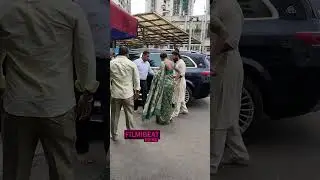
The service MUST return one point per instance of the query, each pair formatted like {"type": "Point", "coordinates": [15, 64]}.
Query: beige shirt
{"type": "Point", "coordinates": [124, 78]}
{"type": "Point", "coordinates": [42, 41]}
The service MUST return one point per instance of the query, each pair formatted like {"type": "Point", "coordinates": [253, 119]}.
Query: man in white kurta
{"type": "Point", "coordinates": [226, 143]}
{"type": "Point", "coordinates": [180, 85]}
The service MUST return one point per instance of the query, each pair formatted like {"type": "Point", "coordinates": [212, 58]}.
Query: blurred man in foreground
{"type": "Point", "coordinates": [227, 144]}
{"type": "Point", "coordinates": [43, 42]}
{"type": "Point", "coordinates": [124, 87]}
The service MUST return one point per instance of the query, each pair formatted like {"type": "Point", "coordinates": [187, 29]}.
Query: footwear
{"type": "Point", "coordinates": [214, 170]}
{"type": "Point", "coordinates": [184, 112]}
{"type": "Point", "coordinates": [235, 162]}
{"type": "Point", "coordinates": [114, 138]}
{"type": "Point", "coordinates": [83, 159]}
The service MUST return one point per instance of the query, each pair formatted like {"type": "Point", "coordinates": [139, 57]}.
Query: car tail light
{"type": "Point", "coordinates": [310, 38]}
{"type": "Point", "coordinates": [208, 73]}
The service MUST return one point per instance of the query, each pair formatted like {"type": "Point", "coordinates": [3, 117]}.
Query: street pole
{"type": "Point", "coordinates": [201, 33]}
{"type": "Point", "coordinates": [205, 23]}
{"type": "Point", "coordinates": [190, 23]}
{"type": "Point", "coordinates": [190, 33]}
{"type": "Point", "coordinates": [185, 20]}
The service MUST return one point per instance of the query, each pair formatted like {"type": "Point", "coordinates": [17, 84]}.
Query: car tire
{"type": "Point", "coordinates": [251, 91]}
{"type": "Point", "coordinates": [189, 97]}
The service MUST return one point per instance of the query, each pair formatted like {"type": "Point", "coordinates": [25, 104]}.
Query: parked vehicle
{"type": "Point", "coordinates": [197, 74]}
{"type": "Point", "coordinates": [280, 52]}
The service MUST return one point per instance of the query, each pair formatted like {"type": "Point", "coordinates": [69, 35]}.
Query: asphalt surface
{"type": "Point", "coordinates": [181, 154]}
{"type": "Point", "coordinates": [288, 149]}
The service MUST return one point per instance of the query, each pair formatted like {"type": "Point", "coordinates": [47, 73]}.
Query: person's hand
{"type": "Point", "coordinates": [84, 107]}
{"type": "Point", "coordinates": [219, 46]}
{"type": "Point", "coordinates": [177, 78]}
{"type": "Point", "coordinates": [136, 94]}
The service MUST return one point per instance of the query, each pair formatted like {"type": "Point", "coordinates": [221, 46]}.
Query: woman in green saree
{"type": "Point", "coordinates": [160, 99]}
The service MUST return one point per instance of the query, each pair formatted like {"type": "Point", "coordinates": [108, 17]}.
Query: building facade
{"type": "Point", "coordinates": [124, 4]}
{"type": "Point", "coordinates": [177, 11]}
{"type": "Point", "coordinates": [169, 7]}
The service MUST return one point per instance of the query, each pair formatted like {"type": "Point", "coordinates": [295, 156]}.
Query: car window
{"type": "Point", "coordinates": [316, 6]}
{"type": "Point", "coordinates": [290, 9]}
{"type": "Point", "coordinates": [254, 9]}
{"type": "Point", "coordinates": [199, 59]}
{"type": "Point", "coordinates": [133, 57]}
{"type": "Point", "coordinates": [188, 62]}
{"type": "Point", "coordinates": [155, 60]}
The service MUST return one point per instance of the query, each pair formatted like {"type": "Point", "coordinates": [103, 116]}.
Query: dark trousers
{"type": "Point", "coordinates": [144, 92]}
{"type": "Point", "coordinates": [104, 96]}
{"type": "Point", "coordinates": [83, 133]}
{"type": "Point", "coordinates": [20, 137]}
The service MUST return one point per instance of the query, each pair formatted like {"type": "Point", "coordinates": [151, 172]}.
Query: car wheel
{"type": "Point", "coordinates": [251, 110]}
{"type": "Point", "coordinates": [188, 95]}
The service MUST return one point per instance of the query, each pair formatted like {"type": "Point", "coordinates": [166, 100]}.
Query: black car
{"type": "Point", "coordinates": [197, 74]}
{"type": "Point", "coordinates": [280, 48]}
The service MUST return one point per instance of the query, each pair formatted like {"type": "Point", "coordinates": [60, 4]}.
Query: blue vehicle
{"type": "Point", "coordinates": [197, 75]}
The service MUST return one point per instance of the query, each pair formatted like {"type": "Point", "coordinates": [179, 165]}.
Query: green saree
{"type": "Point", "coordinates": [160, 99]}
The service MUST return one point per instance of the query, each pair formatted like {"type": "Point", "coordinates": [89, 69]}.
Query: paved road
{"type": "Point", "coordinates": [181, 154]}
{"type": "Point", "coordinates": [92, 172]}
{"type": "Point", "coordinates": [286, 150]}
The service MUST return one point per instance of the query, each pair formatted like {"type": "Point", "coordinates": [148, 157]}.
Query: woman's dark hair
{"type": "Point", "coordinates": [176, 54]}
{"type": "Point", "coordinates": [163, 55]}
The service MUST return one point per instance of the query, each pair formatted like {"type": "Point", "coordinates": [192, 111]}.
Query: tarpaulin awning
{"type": "Point", "coordinates": [123, 25]}
{"type": "Point", "coordinates": [156, 30]}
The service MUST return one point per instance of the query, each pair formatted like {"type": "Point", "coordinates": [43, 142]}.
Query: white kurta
{"type": "Point", "coordinates": [227, 24]}
{"type": "Point", "coordinates": [180, 89]}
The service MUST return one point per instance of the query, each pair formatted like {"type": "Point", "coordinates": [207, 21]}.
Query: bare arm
{"type": "Point", "coordinates": [84, 56]}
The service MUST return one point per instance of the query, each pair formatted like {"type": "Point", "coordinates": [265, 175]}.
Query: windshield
{"type": "Point", "coordinates": [316, 7]}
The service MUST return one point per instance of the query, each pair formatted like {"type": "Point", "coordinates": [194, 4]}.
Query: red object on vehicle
{"type": "Point", "coordinates": [310, 38]}
{"type": "Point", "coordinates": [208, 73]}
{"type": "Point", "coordinates": [123, 25]}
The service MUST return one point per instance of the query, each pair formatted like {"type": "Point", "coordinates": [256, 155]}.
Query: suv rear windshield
{"type": "Point", "coordinates": [290, 9]}
{"type": "Point", "coordinates": [254, 9]}
{"type": "Point", "coordinates": [155, 60]}
{"type": "Point", "coordinates": [316, 7]}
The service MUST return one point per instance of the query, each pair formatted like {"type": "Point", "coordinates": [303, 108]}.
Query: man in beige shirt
{"type": "Point", "coordinates": [124, 86]}
{"type": "Point", "coordinates": [42, 41]}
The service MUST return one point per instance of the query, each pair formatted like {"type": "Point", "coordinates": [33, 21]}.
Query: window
{"type": "Point", "coordinates": [254, 9]}
{"type": "Point", "coordinates": [133, 57]}
{"type": "Point", "coordinates": [155, 60]}
{"type": "Point", "coordinates": [290, 9]}
{"type": "Point", "coordinates": [316, 7]}
{"type": "Point", "coordinates": [188, 62]}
